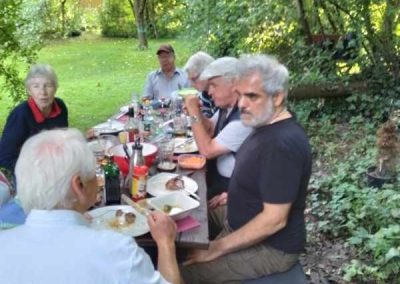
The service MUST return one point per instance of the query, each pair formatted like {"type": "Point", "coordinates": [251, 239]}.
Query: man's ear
{"type": "Point", "coordinates": [77, 187]}
{"type": "Point", "coordinates": [278, 99]}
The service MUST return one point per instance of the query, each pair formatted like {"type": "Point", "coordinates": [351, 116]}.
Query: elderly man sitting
{"type": "Point", "coordinates": [56, 185]}
{"type": "Point", "coordinates": [194, 67]}
{"type": "Point", "coordinates": [218, 137]}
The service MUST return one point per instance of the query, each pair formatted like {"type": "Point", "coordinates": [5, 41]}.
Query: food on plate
{"type": "Point", "coordinates": [191, 161]}
{"type": "Point", "coordinates": [167, 208]}
{"type": "Point", "coordinates": [122, 219]}
{"type": "Point", "coordinates": [171, 209]}
{"type": "Point", "coordinates": [175, 183]}
{"type": "Point", "coordinates": [130, 218]}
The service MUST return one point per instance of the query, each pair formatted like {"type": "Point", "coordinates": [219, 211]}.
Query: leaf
{"type": "Point", "coordinates": [393, 252]}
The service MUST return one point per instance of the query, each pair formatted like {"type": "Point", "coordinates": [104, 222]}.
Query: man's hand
{"type": "Point", "coordinates": [192, 105]}
{"type": "Point", "coordinates": [218, 200]}
{"type": "Point", "coordinates": [198, 255]}
{"type": "Point", "coordinates": [162, 228]}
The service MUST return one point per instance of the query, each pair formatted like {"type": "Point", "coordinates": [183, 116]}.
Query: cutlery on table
{"type": "Point", "coordinates": [182, 144]}
{"type": "Point", "coordinates": [130, 202]}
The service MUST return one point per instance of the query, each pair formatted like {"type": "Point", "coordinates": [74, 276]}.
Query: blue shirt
{"type": "Point", "coordinates": [57, 246]}
{"type": "Point", "coordinates": [157, 85]}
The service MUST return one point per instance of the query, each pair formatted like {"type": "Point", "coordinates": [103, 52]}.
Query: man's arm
{"type": "Point", "coordinates": [163, 231]}
{"type": "Point", "coordinates": [148, 87]}
{"type": "Point", "coordinates": [202, 130]}
{"type": "Point", "coordinates": [269, 221]}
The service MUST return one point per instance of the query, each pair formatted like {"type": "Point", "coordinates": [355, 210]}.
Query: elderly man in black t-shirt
{"type": "Point", "coordinates": [262, 229]}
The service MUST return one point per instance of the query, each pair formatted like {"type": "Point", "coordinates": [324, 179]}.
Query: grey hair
{"type": "Point", "coordinates": [41, 70]}
{"type": "Point", "coordinates": [274, 75]}
{"type": "Point", "coordinates": [46, 165]}
{"type": "Point", "coordinates": [198, 62]}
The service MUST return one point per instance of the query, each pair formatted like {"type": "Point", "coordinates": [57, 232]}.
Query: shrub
{"type": "Point", "coordinates": [116, 19]}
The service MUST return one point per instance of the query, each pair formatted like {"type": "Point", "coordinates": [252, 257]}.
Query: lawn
{"type": "Point", "coordinates": [98, 75]}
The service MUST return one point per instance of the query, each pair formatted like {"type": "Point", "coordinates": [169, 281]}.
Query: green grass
{"type": "Point", "coordinates": [97, 75]}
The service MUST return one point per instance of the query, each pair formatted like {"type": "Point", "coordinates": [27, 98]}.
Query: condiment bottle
{"type": "Point", "coordinates": [137, 172]}
{"type": "Point", "coordinates": [131, 126]}
{"type": "Point", "coordinates": [139, 182]}
{"type": "Point", "coordinates": [112, 181]}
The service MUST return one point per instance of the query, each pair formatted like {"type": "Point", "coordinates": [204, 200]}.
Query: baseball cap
{"type": "Point", "coordinates": [165, 48]}
{"type": "Point", "coordinates": [224, 66]}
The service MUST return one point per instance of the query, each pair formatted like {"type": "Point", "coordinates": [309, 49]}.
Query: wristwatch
{"type": "Point", "coordinates": [194, 119]}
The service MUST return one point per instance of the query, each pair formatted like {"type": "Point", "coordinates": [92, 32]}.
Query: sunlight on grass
{"type": "Point", "coordinates": [97, 75]}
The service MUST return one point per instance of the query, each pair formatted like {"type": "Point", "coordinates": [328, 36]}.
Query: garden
{"type": "Point", "coordinates": [344, 59]}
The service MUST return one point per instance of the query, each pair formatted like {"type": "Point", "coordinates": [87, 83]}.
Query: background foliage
{"type": "Point", "coordinates": [342, 130]}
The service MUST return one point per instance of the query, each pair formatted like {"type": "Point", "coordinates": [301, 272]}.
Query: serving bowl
{"type": "Point", "coordinates": [181, 204]}
{"type": "Point", "coordinates": [191, 161]}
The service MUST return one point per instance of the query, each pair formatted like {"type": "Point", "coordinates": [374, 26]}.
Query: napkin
{"type": "Point", "coordinates": [186, 224]}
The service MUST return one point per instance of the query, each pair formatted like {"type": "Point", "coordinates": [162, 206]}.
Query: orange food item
{"type": "Point", "coordinates": [191, 161]}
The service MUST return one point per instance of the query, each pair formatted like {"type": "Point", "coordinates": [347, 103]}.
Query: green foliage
{"type": "Point", "coordinates": [19, 43]}
{"type": "Point", "coordinates": [58, 21]}
{"type": "Point", "coordinates": [116, 19]}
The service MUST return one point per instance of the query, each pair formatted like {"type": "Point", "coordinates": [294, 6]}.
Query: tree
{"type": "Point", "coordinates": [19, 43]}
{"type": "Point", "coordinates": [139, 9]}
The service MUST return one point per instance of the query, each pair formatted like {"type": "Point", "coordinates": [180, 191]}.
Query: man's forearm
{"type": "Point", "coordinates": [167, 263]}
{"type": "Point", "coordinates": [255, 231]}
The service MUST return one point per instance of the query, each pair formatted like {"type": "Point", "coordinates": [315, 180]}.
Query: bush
{"type": "Point", "coordinates": [116, 19]}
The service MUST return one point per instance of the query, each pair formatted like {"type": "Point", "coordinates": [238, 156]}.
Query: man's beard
{"type": "Point", "coordinates": [264, 118]}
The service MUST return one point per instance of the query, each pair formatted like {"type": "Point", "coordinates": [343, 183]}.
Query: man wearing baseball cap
{"type": "Point", "coordinates": [162, 82]}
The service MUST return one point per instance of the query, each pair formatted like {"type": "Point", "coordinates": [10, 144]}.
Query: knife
{"type": "Point", "coordinates": [135, 205]}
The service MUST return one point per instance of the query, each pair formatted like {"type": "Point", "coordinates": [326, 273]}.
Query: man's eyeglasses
{"type": "Point", "coordinates": [194, 78]}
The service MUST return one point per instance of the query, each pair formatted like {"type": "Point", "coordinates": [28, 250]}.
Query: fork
{"type": "Point", "coordinates": [187, 141]}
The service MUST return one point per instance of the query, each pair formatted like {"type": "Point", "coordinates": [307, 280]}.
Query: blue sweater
{"type": "Point", "coordinates": [21, 125]}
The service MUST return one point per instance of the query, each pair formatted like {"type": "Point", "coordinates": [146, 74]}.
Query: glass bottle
{"type": "Point", "coordinates": [112, 181]}
{"type": "Point", "coordinates": [131, 126]}
{"type": "Point", "coordinates": [137, 172]}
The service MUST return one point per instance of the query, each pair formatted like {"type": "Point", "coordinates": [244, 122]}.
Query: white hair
{"type": "Point", "coordinates": [41, 70]}
{"type": "Point", "coordinates": [46, 165]}
{"type": "Point", "coordinates": [198, 62]}
{"type": "Point", "coordinates": [274, 75]}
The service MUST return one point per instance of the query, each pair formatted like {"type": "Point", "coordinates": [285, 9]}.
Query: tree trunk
{"type": "Point", "coordinates": [303, 20]}
{"type": "Point", "coordinates": [150, 17]}
{"type": "Point", "coordinates": [138, 8]}
{"type": "Point", "coordinates": [62, 7]}
{"type": "Point", "coordinates": [328, 91]}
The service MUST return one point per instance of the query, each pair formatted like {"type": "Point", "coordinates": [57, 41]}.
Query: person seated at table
{"type": "Point", "coordinates": [262, 228]}
{"type": "Point", "coordinates": [163, 82]}
{"type": "Point", "coordinates": [41, 111]}
{"type": "Point", "coordinates": [56, 184]}
{"type": "Point", "coordinates": [193, 67]}
{"type": "Point", "coordinates": [219, 137]}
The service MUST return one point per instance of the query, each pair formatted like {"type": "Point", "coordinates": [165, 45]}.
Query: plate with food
{"type": "Point", "coordinates": [185, 145]}
{"type": "Point", "coordinates": [165, 183]}
{"type": "Point", "coordinates": [120, 218]}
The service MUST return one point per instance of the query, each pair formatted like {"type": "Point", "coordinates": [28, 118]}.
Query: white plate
{"type": "Point", "coordinates": [113, 127]}
{"type": "Point", "coordinates": [107, 214]}
{"type": "Point", "coordinates": [190, 147]}
{"type": "Point", "coordinates": [156, 184]}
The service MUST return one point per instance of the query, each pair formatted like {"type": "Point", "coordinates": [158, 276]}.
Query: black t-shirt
{"type": "Point", "coordinates": [273, 165]}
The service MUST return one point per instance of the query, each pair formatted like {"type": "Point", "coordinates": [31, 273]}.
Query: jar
{"type": "Point", "coordinates": [139, 182]}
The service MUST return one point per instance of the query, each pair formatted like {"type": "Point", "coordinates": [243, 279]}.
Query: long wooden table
{"type": "Point", "coordinates": [197, 237]}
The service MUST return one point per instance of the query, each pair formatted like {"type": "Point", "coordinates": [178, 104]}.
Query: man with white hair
{"type": "Point", "coordinates": [194, 67]}
{"type": "Point", "coordinates": [219, 137]}
{"type": "Point", "coordinates": [56, 184]}
{"type": "Point", "coordinates": [262, 228]}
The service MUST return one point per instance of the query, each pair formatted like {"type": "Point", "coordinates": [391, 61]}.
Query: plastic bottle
{"type": "Point", "coordinates": [112, 181]}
